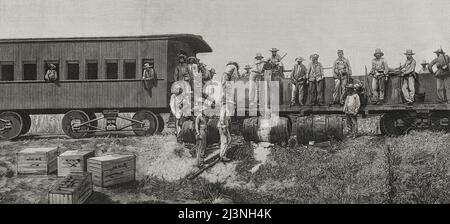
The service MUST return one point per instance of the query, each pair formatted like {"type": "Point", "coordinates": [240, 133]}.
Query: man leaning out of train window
{"type": "Point", "coordinates": [51, 75]}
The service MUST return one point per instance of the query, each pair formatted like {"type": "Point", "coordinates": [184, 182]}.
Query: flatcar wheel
{"type": "Point", "coordinates": [150, 123]}
{"type": "Point", "coordinates": [395, 124]}
{"type": "Point", "coordinates": [11, 124]}
{"type": "Point", "coordinates": [70, 121]}
{"type": "Point", "coordinates": [440, 121]}
{"type": "Point", "coordinates": [26, 124]}
{"type": "Point", "coordinates": [160, 123]}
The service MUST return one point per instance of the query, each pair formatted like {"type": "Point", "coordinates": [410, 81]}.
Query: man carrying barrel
{"type": "Point", "coordinates": [298, 81]}
{"type": "Point", "coordinates": [442, 75]}
{"type": "Point", "coordinates": [314, 77]}
{"type": "Point", "coordinates": [380, 74]}
{"type": "Point", "coordinates": [201, 123]}
{"type": "Point", "coordinates": [408, 75]}
{"type": "Point", "coordinates": [341, 73]}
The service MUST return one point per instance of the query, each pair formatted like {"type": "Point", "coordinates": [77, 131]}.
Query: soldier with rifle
{"type": "Point", "coordinates": [341, 73]}
{"type": "Point", "coordinates": [442, 75]}
{"type": "Point", "coordinates": [380, 76]}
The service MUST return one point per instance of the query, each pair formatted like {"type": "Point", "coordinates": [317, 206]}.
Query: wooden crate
{"type": "Point", "coordinates": [73, 189]}
{"type": "Point", "coordinates": [73, 162]}
{"type": "Point", "coordinates": [109, 170]}
{"type": "Point", "coordinates": [37, 160]}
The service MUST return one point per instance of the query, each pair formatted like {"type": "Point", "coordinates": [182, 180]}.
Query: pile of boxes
{"type": "Point", "coordinates": [79, 170]}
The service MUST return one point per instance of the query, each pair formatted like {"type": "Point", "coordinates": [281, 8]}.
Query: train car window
{"type": "Point", "coordinates": [91, 69]}
{"type": "Point", "coordinates": [7, 71]}
{"type": "Point", "coordinates": [112, 69]}
{"type": "Point", "coordinates": [73, 70]}
{"type": "Point", "coordinates": [47, 67]}
{"type": "Point", "coordinates": [29, 71]}
{"type": "Point", "coordinates": [129, 69]}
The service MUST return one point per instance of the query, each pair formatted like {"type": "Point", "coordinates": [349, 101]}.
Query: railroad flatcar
{"type": "Point", "coordinates": [95, 75]}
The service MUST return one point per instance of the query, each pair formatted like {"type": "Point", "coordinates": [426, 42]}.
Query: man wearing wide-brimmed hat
{"type": "Point", "coordinates": [442, 74]}
{"type": "Point", "coordinates": [351, 108]}
{"type": "Point", "coordinates": [182, 70]}
{"type": "Point", "coordinates": [246, 73]}
{"type": "Point", "coordinates": [298, 81]}
{"type": "Point", "coordinates": [255, 76]}
{"type": "Point", "coordinates": [380, 72]}
{"type": "Point", "coordinates": [51, 75]}
{"type": "Point", "coordinates": [341, 73]}
{"type": "Point", "coordinates": [314, 77]}
{"type": "Point", "coordinates": [424, 69]}
{"type": "Point", "coordinates": [201, 128]}
{"type": "Point", "coordinates": [408, 77]}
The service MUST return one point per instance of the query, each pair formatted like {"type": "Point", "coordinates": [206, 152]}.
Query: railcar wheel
{"type": "Point", "coordinates": [150, 123]}
{"type": "Point", "coordinates": [92, 116]}
{"type": "Point", "coordinates": [160, 123]}
{"type": "Point", "coordinates": [70, 123]}
{"type": "Point", "coordinates": [11, 124]}
{"type": "Point", "coordinates": [440, 121]}
{"type": "Point", "coordinates": [395, 124]}
{"type": "Point", "coordinates": [26, 124]}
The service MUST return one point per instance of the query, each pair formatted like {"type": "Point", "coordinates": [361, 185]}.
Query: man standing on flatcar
{"type": "Point", "coordinates": [315, 81]}
{"type": "Point", "coordinates": [298, 81]}
{"type": "Point", "coordinates": [193, 69]}
{"type": "Point", "coordinates": [341, 73]}
{"type": "Point", "coordinates": [380, 76]}
{"type": "Point", "coordinates": [409, 75]}
{"type": "Point", "coordinates": [182, 70]}
{"type": "Point", "coordinates": [255, 76]}
{"type": "Point", "coordinates": [442, 75]}
{"type": "Point", "coordinates": [51, 75]}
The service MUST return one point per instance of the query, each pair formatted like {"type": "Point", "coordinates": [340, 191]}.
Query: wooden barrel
{"type": "Point", "coordinates": [271, 130]}
{"type": "Point", "coordinates": [187, 132]}
{"type": "Point", "coordinates": [319, 128]}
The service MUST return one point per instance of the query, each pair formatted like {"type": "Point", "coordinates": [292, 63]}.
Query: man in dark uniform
{"type": "Point", "coordinates": [181, 70]}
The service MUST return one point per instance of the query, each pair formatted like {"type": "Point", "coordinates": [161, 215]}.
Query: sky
{"type": "Point", "coordinates": [238, 29]}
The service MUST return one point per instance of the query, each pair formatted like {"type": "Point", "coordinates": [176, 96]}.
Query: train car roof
{"type": "Point", "coordinates": [194, 40]}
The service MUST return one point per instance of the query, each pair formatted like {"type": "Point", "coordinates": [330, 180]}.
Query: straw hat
{"type": "Point", "coordinates": [52, 66]}
{"type": "Point", "coordinates": [340, 51]}
{"type": "Point", "coordinates": [299, 59]}
{"type": "Point", "coordinates": [273, 50]}
{"type": "Point", "coordinates": [259, 55]}
{"type": "Point", "coordinates": [247, 67]}
{"type": "Point", "coordinates": [181, 56]}
{"type": "Point", "coordinates": [192, 58]}
{"type": "Point", "coordinates": [439, 51]}
{"type": "Point", "coordinates": [314, 56]}
{"type": "Point", "coordinates": [212, 71]}
{"type": "Point", "coordinates": [146, 65]}
{"type": "Point", "coordinates": [409, 52]}
{"type": "Point", "coordinates": [424, 62]}
{"type": "Point", "coordinates": [378, 51]}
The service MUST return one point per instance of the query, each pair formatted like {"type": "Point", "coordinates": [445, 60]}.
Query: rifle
{"type": "Point", "coordinates": [369, 87]}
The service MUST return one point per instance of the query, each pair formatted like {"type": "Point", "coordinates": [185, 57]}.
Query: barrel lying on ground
{"type": "Point", "coordinates": [273, 130]}
{"type": "Point", "coordinates": [187, 132]}
{"type": "Point", "coordinates": [319, 128]}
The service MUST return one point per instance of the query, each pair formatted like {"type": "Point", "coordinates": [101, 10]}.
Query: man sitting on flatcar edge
{"type": "Point", "coordinates": [148, 76]}
{"type": "Point", "coordinates": [408, 77]}
{"type": "Point", "coordinates": [51, 75]}
{"type": "Point", "coordinates": [380, 73]}
{"type": "Point", "coordinates": [442, 75]}
{"type": "Point", "coordinates": [341, 73]}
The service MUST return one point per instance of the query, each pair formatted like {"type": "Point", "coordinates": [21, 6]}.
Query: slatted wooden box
{"type": "Point", "coordinates": [73, 162]}
{"type": "Point", "coordinates": [109, 170]}
{"type": "Point", "coordinates": [37, 160]}
{"type": "Point", "coordinates": [73, 189]}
